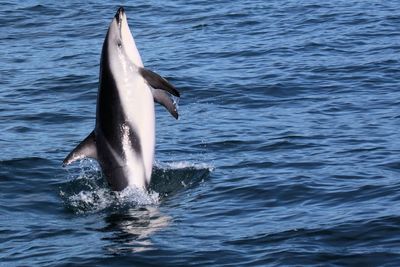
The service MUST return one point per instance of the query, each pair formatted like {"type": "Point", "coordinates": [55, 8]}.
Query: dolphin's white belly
{"type": "Point", "coordinates": [138, 108]}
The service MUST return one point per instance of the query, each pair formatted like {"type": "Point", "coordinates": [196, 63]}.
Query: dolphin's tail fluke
{"type": "Point", "coordinates": [86, 149]}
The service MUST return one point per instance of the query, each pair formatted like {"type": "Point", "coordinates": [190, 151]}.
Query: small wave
{"type": "Point", "coordinates": [184, 165]}
{"type": "Point", "coordinates": [172, 177]}
{"type": "Point", "coordinates": [31, 162]}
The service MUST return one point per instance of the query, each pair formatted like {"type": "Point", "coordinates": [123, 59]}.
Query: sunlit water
{"type": "Point", "coordinates": [286, 151]}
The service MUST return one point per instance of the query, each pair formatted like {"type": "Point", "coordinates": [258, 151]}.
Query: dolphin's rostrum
{"type": "Point", "coordinates": [124, 136]}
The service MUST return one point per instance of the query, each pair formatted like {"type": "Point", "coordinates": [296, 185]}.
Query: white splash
{"type": "Point", "coordinates": [92, 201]}
{"type": "Point", "coordinates": [95, 195]}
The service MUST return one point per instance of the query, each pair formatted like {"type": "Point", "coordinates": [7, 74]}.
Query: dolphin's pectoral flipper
{"type": "Point", "coordinates": [158, 82]}
{"type": "Point", "coordinates": [164, 99]}
{"type": "Point", "coordinates": [86, 149]}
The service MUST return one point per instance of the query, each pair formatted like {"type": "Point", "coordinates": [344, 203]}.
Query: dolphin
{"type": "Point", "coordinates": [123, 140]}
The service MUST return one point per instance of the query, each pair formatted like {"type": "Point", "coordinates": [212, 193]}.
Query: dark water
{"type": "Point", "coordinates": [286, 152]}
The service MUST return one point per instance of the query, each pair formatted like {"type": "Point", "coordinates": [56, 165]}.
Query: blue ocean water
{"type": "Point", "coordinates": [286, 151]}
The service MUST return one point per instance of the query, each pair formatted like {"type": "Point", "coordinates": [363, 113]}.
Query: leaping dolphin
{"type": "Point", "coordinates": [124, 136]}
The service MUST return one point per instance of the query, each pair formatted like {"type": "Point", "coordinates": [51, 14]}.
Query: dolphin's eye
{"type": "Point", "coordinates": [119, 44]}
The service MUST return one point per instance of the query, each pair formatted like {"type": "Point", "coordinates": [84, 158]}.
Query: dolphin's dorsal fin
{"type": "Point", "coordinates": [86, 149]}
{"type": "Point", "coordinates": [158, 82]}
{"type": "Point", "coordinates": [164, 99]}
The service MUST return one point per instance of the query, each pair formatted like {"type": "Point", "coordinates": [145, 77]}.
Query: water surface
{"type": "Point", "coordinates": [286, 151]}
